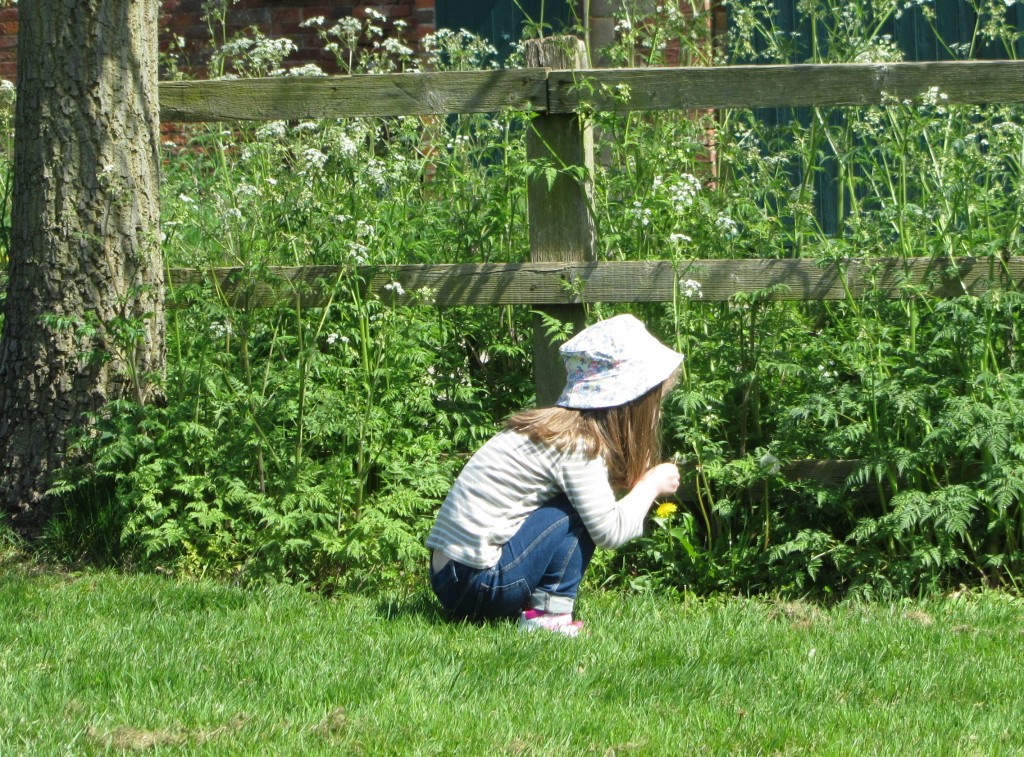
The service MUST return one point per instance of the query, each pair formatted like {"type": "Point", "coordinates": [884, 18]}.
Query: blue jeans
{"type": "Point", "coordinates": [540, 567]}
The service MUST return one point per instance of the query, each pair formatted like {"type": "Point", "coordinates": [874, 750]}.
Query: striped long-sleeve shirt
{"type": "Point", "coordinates": [508, 478]}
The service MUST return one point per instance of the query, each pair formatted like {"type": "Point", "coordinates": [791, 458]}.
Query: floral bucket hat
{"type": "Point", "coordinates": [613, 362]}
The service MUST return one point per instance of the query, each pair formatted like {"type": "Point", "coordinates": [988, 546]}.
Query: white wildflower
{"type": "Point", "coordinates": [932, 96]}
{"type": "Point", "coordinates": [358, 253]}
{"type": "Point", "coordinates": [684, 191]}
{"type": "Point", "coordinates": [219, 329]}
{"type": "Point", "coordinates": [395, 47]}
{"type": "Point", "coordinates": [375, 172]}
{"type": "Point", "coordinates": [347, 146]}
{"type": "Point", "coordinates": [315, 159]}
{"type": "Point", "coordinates": [727, 226]}
{"type": "Point", "coordinates": [272, 130]}
{"type": "Point", "coordinates": [309, 69]}
{"type": "Point", "coordinates": [395, 287]}
{"type": "Point", "coordinates": [691, 289]}
{"type": "Point", "coordinates": [237, 47]}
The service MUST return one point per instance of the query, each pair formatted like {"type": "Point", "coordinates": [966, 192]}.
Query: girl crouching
{"type": "Point", "coordinates": [516, 532]}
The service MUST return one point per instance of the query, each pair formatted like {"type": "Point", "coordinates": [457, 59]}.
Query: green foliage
{"type": "Point", "coordinates": [923, 394]}
{"type": "Point", "coordinates": [315, 445]}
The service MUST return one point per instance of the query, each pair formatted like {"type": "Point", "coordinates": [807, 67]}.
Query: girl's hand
{"type": "Point", "coordinates": [664, 477]}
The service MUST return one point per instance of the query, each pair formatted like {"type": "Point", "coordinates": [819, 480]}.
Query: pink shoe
{"type": "Point", "coordinates": [560, 623]}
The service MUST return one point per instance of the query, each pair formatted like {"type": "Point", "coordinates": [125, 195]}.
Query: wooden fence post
{"type": "Point", "coordinates": [560, 218]}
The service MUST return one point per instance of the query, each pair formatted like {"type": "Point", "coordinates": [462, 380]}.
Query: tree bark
{"type": "Point", "coordinates": [83, 320]}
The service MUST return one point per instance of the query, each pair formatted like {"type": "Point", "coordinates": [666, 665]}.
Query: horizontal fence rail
{"type": "Point", "coordinates": [287, 98]}
{"type": "Point", "coordinates": [780, 86]}
{"type": "Point", "coordinates": [542, 90]}
{"type": "Point", "coordinates": [623, 281]}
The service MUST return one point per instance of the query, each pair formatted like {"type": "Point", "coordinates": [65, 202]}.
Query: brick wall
{"type": "Point", "coordinates": [602, 21]}
{"type": "Point", "coordinates": [283, 18]}
{"type": "Point", "coordinates": [274, 18]}
{"type": "Point", "coordinates": [8, 43]}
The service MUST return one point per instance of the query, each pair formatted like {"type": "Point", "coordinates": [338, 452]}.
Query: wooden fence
{"type": "Point", "coordinates": [563, 273]}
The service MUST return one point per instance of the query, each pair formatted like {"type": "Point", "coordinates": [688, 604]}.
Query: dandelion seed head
{"type": "Point", "coordinates": [770, 462]}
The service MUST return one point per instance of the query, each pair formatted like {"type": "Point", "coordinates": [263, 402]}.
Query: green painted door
{"type": "Point", "coordinates": [501, 22]}
{"type": "Point", "coordinates": [955, 23]}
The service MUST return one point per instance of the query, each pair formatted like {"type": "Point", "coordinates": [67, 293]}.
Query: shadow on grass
{"type": "Point", "coordinates": [423, 606]}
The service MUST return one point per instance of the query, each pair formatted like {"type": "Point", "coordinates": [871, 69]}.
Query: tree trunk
{"type": "Point", "coordinates": [83, 321]}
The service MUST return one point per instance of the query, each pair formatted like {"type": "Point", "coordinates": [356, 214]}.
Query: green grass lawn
{"type": "Point", "coordinates": [102, 663]}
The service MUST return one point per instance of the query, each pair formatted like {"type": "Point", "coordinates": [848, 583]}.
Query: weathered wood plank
{"type": "Point", "coordinates": [565, 91]}
{"type": "Point", "coordinates": [288, 98]}
{"type": "Point", "coordinates": [562, 227]}
{"type": "Point", "coordinates": [625, 281]}
{"type": "Point", "coordinates": [778, 86]}
{"type": "Point", "coordinates": [831, 474]}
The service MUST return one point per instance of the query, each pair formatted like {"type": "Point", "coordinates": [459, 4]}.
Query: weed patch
{"type": "Point", "coordinates": [313, 446]}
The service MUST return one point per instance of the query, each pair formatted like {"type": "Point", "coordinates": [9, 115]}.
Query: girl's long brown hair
{"type": "Point", "coordinates": [627, 436]}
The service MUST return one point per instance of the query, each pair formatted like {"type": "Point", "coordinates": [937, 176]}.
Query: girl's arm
{"type": "Point", "coordinates": [612, 523]}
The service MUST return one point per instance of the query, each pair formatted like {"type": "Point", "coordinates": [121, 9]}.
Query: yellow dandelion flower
{"type": "Point", "coordinates": [665, 509]}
